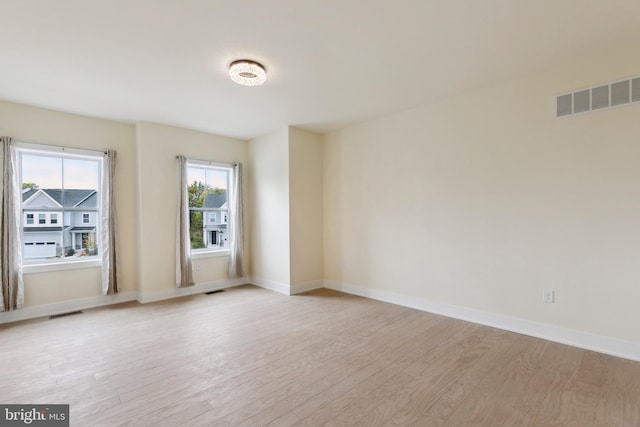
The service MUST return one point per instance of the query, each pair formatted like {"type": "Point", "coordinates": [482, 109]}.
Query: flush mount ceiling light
{"type": "Point", "coordinates": [247, 73]}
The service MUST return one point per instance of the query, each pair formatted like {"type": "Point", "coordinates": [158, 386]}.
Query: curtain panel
{"type": "Point", "coordinates": [184, 270]}
{"type": "Point", "coordinates": [109, 228]}
{"type": "Point", "coordinates": [12, 297]}
{"type": "Point", "coordinates": [236, 227]}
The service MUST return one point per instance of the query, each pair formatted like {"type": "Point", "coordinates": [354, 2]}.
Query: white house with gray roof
{"type": "Point", "coordinates": [59, 222]}
{"type": "Point", "coordinates": [215, 218]}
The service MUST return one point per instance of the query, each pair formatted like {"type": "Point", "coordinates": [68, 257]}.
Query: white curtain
{"type": "Point", "coordinates": [184, 271]}
{"type": "Point", "coordinates": [236, 227]}
{"type": "Point", "coordinates": [12, 297]}
{"type": "Point", "coordinates": [109, 228]}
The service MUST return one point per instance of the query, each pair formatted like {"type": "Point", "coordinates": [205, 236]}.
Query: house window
{"type": "Point", "coordinates": [63, 186]}
{"type": "Point", "coordinates": [208, 190]}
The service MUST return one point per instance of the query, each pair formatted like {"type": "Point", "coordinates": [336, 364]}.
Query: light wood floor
{"type": "Point", "coordinates": [249, 357]}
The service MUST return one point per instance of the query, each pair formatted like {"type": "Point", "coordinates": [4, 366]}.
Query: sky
{"type": "Point", "coordinates": [213, 178]}
{"type": "Point", "coordinates": [47, 172]}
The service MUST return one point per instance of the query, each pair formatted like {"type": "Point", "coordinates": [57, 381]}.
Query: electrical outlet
{"type": "Point", "coordinates": [548, 296]}
{"type": "Point", "coordinates": [198, 266]}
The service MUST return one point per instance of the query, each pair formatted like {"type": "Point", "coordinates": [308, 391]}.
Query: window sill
{"type": "Point", "coordinates": [57, 266]}
{"type": "Point", "coordinates": [210, 254]}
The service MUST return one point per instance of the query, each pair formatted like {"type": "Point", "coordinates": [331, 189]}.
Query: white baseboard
{"type": "Point", "coordinates": [599, 343]}
{"type": "Point", "coordinates": [306, 286]}
{"type": "Point", "coordinates": [271, 285]}
{"type": "Point", "coordinates": [66, 306]}
{"type": "Point", "coordinates": [146, 297]}
{"type": "Point", "coordinates": [602, 344]}
{"type": "Point", "coordinates": [45, 310]}
{"type": "Point", "coordinates": [287, 289]}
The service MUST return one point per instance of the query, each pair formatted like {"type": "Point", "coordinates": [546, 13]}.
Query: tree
{"type": "Point", "coordinates": [195, 230]}
{"type": "Point", "coordinates": [29, 185]}
{"type": "Point", "coordinates": [197, 192]}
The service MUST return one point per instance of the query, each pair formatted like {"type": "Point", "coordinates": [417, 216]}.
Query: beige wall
{"type": "Point", "coordinates": [269, 201]}
{"type": "Point", "coordinates": [305, 210]}
{"type": "Point", "coordinates": [485, 199]}
{"type": "Point", "coordinates": [285, 182]}
{"type": "Point", "coordinates": [158, 146]}
{"type": "Point", "coordinates": [148, 267]}
{"type": "Point", "coordinates": [37, 125]}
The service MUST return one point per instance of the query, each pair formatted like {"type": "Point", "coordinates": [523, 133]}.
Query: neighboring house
{"type": "Point", "coordinates": [58, 222]}
{"type": "Point", "coordinates": [215, 220]}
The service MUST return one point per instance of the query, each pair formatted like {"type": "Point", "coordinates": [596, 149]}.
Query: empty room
{"type": "Point", "coordinates": [288, 213]}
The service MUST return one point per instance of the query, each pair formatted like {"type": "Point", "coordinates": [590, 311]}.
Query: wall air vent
{"type": "Point", "coordinates": [613, 94]}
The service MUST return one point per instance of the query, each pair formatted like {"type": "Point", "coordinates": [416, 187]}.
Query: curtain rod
{"type": "Point", "coordinates": [57, 147]}
{"type": "Point", "coordinates": [210, 162]}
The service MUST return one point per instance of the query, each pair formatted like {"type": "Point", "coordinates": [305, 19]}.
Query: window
{"type": "Point", "coordinates": [208, 200]}
{"type": "Point", "coordinates": [63, 187]}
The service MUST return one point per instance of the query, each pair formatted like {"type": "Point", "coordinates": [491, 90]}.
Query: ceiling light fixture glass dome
{"type": "Point", "coordinates": [247, 73]}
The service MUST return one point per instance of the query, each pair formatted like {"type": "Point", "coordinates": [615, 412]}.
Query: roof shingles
{"type": "Point", "coordinates": [72, 198]}
{"type": "Point", "coordinates": [214, 200]}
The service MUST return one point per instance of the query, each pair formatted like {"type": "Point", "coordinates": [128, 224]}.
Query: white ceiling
{"type": "Point", "coordinates": [329, 63]}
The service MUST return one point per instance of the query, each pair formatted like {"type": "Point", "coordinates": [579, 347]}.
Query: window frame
{"type": "Point", "coordinates": [209, 252]}
{"type": "Point", "coordinates": [64, 263]}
